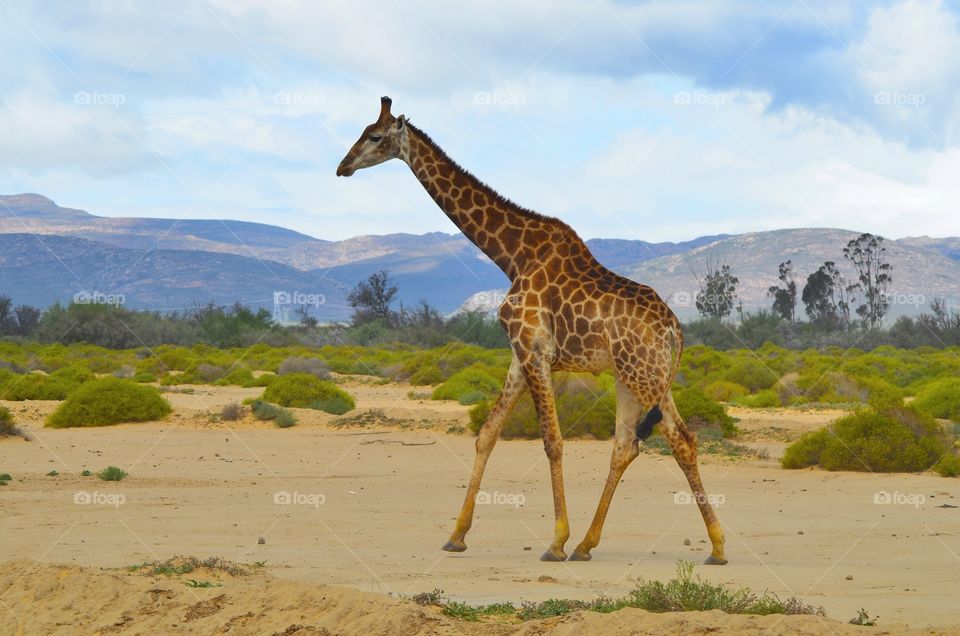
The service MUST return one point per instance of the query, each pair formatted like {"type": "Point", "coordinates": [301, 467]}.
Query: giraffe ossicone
{"type": "Point", "coordinates": [564, 311]}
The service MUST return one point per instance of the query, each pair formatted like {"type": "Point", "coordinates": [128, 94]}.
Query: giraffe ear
{"type": "Point", "coordinates": [401, 120]}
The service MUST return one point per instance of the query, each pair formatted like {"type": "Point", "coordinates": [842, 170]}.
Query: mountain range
{"type": "Point", "coordinates": [50, 253]}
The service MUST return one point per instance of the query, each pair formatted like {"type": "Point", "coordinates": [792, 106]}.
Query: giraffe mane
{"type": "Point", "coordinates": [493, 194]}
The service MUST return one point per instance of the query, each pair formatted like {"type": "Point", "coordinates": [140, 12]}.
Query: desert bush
{"type": "Point", "coordinates": [308, 391]}
{"type": "Point", "coordinates": [311, 366]}
{"type": "Point", "coordinates": [7, 426]}
{"type": "Point", "coordinates": [724, 390]}
{"type": "Point", "coordinates": [107, 401]}
{"type": "Point", "coordinates": [144, 377]}
{"type": "Point", "coordinates": [940, 398]}
{"type": "Point", "coordinates": [948, 466]}
{"type": "Point", "coordinates": [699, 411]}
{"type": "Point", "coordinates": [125, 371]}
{"type": "Point", "coordinates": [768, 398]}
{"type": "Point", "coordinates": [232, 412]}
{"type": "Point", "coordinates": [752, 374]}
{"type": "Point", "coordinates": [474, 380]}
{"type": "Point", "coordinates": [282, 417]}
{"type": "Point", "coordinates": [112, 473]}
{"type": "Point", "coordinates": [888, 440]}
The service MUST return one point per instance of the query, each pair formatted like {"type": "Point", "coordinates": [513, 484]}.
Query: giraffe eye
{"type": "Point", "coordinates": [376, 138]}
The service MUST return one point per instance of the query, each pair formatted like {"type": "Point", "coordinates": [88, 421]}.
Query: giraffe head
{"type": "Point", "coordinates": [381, 141]}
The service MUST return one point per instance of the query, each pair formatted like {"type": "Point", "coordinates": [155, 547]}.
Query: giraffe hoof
{"type": "Point", "coordinates": [454, 546]}
{"type": "Point", "coordinates": [712, 560]}
{"type": "Point", "coordinates": [580, 556]}
{"type": "Point", "coordinates": [552, 554]}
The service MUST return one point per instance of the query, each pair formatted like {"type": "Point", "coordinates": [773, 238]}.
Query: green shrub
{"type": "Point", "coordinates": [948, 466]}
{"type": "Point", "coordinates": [940, 398]}
{"type": "Point", "coordinates": [472, 380]}
{"type": "Point", "coordinates": [282, 417]}
{"type": "Point", "coordinates": [302, 390]}
{"type": "Point", "coordinates": [723, 390]}
{"type": "Point", "coordinates": [299, 364]}
{"type": "Point", "coordinates": [752, 374]}
{"type": "Point", "coordinates": [112, 473]}
{"type": "Point", "coordinates": [586, 407]}
{"type": "Point", "coordinates": [699, 411]}
{"type": "Point", "coordinates": [890, 440]}
{"type": "Point", "coordinates": [232, 412]}
{"type": "Point", "coordinates": [107, 401]}
{"type": "Point", "coordinates": [285, 419]}
{"type": "Point", "coordinates": [765, 399]}
{"type": "Point", "coordinates": [473, 397]}
{"type": "Point", "coordinates": [144, 377]}
{"type": "Point", "coordinates": [7, 427]}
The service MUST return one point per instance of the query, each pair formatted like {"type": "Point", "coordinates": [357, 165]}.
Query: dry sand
{"type": "Point", "coordinates": [372, 505]}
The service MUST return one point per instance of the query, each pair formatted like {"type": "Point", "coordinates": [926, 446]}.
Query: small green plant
{"type": "Point", "coordinates": [4, 478]}
{"type": "Point", "coordinates": [699, 411]}
{"type": "Point", "coordinates": [284, 418]}
{"type": "Point", "coordinates": [474, 381]}
{"type": "Point", "coordinates": [863, 618]}
{"type": "Point", "coordinates": [108, 401]}
{"type": "Point", "coordinates": [86, 473]}
{"type": "Point", "coordinates": [53, 473]}
{"type": "Point", "coordinates": [112, 473]}
{"type": "Point", "coordinates": [195, 583]}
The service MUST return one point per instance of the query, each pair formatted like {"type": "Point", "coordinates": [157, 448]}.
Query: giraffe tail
{"type": "Point", "coordinates": [655, 415]}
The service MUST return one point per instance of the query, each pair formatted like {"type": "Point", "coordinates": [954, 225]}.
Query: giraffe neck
{"type": "Point", "coordinates": [510, 235]}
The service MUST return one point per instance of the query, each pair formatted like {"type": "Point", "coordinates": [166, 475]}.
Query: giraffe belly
{"type": "Point", "coordinates": [591, 360]}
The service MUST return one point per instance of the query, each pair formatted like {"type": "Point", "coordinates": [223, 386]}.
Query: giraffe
{"type": "Point", "coordinates": [563, 311]}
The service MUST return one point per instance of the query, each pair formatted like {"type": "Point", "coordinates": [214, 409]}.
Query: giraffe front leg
{"type": "Point", "coordinates": [486, 440]}
{"type": "Point", "coordinates": [541, 389]}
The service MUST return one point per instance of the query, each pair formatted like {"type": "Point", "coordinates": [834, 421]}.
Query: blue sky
{"type": "Point", "coordinates": [651, 120]}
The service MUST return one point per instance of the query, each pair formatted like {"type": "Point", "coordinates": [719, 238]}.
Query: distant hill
{"type": "Point", "coordinates": [49, 253]}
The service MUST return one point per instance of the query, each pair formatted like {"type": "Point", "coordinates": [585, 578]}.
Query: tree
{"type": "Point", "coordinates": [7, 322]}
{"type": "Point", "coordinates": [371, 299]}
{"type": "Point", "coordinates": [27, 319]}
{"type": "Point", "coordinates": [868, 255]}
{"type": "Point", "coordinates": [825, 297]}
{"type": "Point", "coordinates": [718, 291]}
{"type": "Point", "coordinates": [785, 295]}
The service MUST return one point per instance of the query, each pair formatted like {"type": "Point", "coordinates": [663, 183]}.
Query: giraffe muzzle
{"type": "Point", "coordinates": [344, 171]}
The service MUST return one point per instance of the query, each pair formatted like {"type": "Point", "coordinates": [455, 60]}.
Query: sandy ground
{"type": "Point", "coordinates": [369, 507]}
